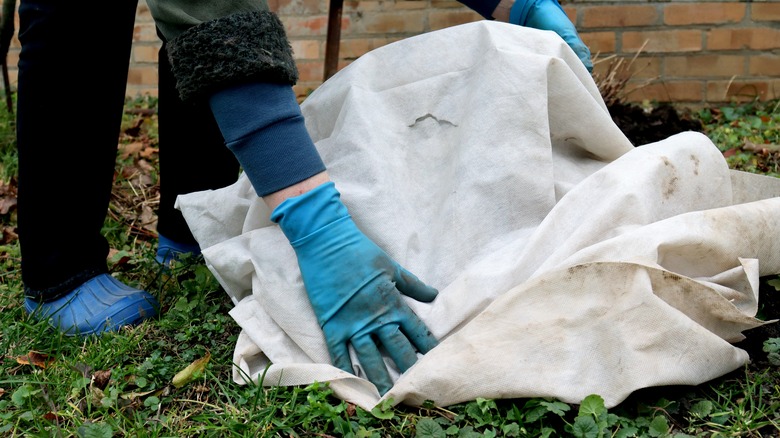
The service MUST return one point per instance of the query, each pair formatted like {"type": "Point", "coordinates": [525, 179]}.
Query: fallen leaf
{"type": "Point", "coordinates": [191, 372]}
{"type": "Point", "coordinates": [131, 149]}
{"type": "Point", "coordinates": [36, 359]}
{"type": "Point", "coordinates": [148, 152]}
{"type": "Point", "coordinates": [6, 204]}
{"type": "Point", "coordinates": [101, 378]}
{"type": "Point", "coordinates": [52, 417]}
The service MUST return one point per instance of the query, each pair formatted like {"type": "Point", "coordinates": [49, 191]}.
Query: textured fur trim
{"type": "Point", "coordinates": [243, 47]}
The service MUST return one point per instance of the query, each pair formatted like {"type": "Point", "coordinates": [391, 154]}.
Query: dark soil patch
{"type": "Point", "coordinates": [769, 309]}
{"type": "Point", "coordinates": [643, 127]}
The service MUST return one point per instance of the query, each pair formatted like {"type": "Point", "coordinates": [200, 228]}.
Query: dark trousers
{"type": "Point", "coordinates": [482, 7]}
{"type": "Point", "coordinates": [69, 110]}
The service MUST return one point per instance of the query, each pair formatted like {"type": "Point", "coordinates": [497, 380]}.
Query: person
{"type": "Point", "coordinates": [64, 262]}
{"type": "Point", "coordinates": [537, 14]}
{"type": "Point", "coordinates": [233, 71]}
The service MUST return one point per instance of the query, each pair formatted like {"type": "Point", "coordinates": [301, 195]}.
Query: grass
{"type": "Point", "coordinates": [172, 377]}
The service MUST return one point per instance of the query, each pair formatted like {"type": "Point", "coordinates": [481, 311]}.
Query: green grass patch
{"type": "Point", "coordinates": [172, 377]}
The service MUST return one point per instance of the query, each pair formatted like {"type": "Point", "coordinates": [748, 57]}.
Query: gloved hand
{"type": "Point", "coordinates": [549, 15]}
{"type": "Point", "coordinates": [354, 286]}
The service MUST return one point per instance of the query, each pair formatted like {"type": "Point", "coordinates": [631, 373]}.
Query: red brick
{"type": "Point", "coordinates": [145, 32]}
{"type": "Point", "coordinates": [362, 6]}
{"type": "Point", "coordinates": [619, 16]}
{"type": "Point", "coordinates": [744, 91]}
{"type": "Point", "coordinates": [761, 38]}
{"type": "Point", "coordinates": [765, 11]}
{"type": "Point", "coordinates": [572, 14]}
{"type": "Point", "coordinates": [145, 54]}
{"type": "Point", "coordinates": [668, 91]}
{"type": "Point", "coordinates": [712, 66]}
{"type": "Point", "coordinates": [663, 41]}
{"type": "Point", "coordinates": [764, 65]}
{"type": "Point", "coordinates": [599, 42]}
{"type": "Point", "coordinates": [142, 76]}
{"type": "Point", "coordinates": [142, 13]}
{"type": "Point", "coordinates": [307, 49]}
{"type": "Point", "coordinates": [680, 14]}
{"type": "Point", "coordinates": [446, 4]}
{"type": "Point", "coordinates": [401, 5]}
{"type": "Point", "coordinates": [298, 7]}
{"type": "Point", "coordinates": [355, 48]}
{"type": "Point", "coordinates": [627, 67]}
{"type": "Point", "coordinates": [310, 70]}
{"type": "Point", "coordinates": [440, 20]}
{"type": "Point", "coordinates": [391, 22]}
{"type": "Point", "coordinates": [311, 26]}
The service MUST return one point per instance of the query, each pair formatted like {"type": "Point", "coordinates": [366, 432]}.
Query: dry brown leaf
{"type": "Point", "coordinates": [36, 359]}
{"type": "Point", "coordinates": [6, 204]}
{"type": "Point", "coordinates": [101, 378]}
{"type": "Point", "coordinates": [131, 149]}
{"type": "Point", "coordinates": [52, 417]}
{"type": "Point", "coordinates": [148, 152]}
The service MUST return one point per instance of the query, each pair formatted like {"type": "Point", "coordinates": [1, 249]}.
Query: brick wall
{"type": "Point", "coordinates": [687, 52]}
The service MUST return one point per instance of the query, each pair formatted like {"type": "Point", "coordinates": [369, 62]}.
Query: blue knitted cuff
{"type": "Point", "coordinates": [262, 124]}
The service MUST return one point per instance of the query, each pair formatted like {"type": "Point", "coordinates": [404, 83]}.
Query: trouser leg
{"type": "Point", "coordinates": [69, 111]}
{"type": "Point", "coordinates": [193, 156]}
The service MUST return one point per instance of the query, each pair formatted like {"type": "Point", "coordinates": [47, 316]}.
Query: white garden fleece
{"type": "Point", "coordinates": [569, 262]}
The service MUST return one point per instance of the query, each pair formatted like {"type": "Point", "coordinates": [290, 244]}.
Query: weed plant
{"type": "Point", "coordinates": [172, 377]}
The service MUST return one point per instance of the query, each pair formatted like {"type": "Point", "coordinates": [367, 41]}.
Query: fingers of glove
{"type": "Point", "coordinates": [339, 354]}
{"type": "Point", "coordinates": [417, 332]}
{"type": "Point", "coordinates": [371, 360]}
{"type": "Point", "coordinates": [397, 346]}
{"type": "Point", "coordinates": [411, 286]}
{"type": "Point", "coordinates": [549, 15]}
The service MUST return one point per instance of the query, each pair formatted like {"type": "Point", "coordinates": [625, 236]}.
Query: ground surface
{"type": "Point", "coordinates": [643, 127]}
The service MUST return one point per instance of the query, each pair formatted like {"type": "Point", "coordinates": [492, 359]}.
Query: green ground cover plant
{"type": "Point", "coordinates": [172, 377]}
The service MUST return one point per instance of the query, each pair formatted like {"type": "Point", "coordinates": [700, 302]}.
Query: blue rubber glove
{"type": "Point", "coordinates": [354, 286]}
{"type": "Point", "coordinates": [549, 15]}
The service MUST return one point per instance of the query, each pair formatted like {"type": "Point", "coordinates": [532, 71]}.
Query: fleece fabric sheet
{"type": "Point", "coordinates": [568, 261]}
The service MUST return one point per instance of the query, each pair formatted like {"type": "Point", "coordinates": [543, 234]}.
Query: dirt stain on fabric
{"type": "Point", "coordinates": [670, 183]}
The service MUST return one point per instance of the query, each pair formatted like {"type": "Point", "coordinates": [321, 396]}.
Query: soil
{"type": "Point", "coordinates": [642, 127]}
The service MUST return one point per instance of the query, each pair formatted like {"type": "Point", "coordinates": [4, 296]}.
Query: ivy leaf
{"type": "Point", "coordinates": [427, 428]}
{"type": "Point", "coordinates": [558, 408]}
{"type": "Point", "coordinates": [384, 410]}
{"type": "Point", "coordinates": [511, 430]}
{"type": "Point", "coordinates": [659, 426]}
{"type": "Point", "coordinates": [626, 432]}
{"type": "Point", "coordinates": [20, 396]}
{"type": "Point", "coordinates": [593, 405]}
{"type": "Point", "coordinates": [585, 427]}
{"type": "Point", "coordinates": [702, 409]}
{"type": "Point", "coordinates": [95, 430]}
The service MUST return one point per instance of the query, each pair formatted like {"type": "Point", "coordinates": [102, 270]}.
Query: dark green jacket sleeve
{"type": "Point", "coordinates": [216, 44]}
